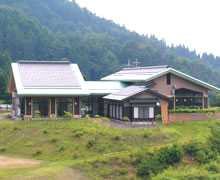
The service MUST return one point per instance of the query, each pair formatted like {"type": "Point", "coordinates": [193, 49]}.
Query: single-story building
{"type": "Point", "coordinates": [53, 87]}
{"type": "Point", "coordinates": [139, 94]}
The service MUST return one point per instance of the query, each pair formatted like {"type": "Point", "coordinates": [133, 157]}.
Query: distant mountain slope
{"type": "Point", "coordinates": [53, 29]}
{"type": "Point", "coordinates": [65, 16]}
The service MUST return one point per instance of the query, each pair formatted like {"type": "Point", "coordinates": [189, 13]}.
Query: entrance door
{"type": "Point", "coordinates": [164, 113]}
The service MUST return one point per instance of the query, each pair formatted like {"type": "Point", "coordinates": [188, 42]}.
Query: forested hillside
{"type": "Point", "coordinates": [53, 29]}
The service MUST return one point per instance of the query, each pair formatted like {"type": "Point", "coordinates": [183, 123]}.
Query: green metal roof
{"type": "Point", "coordinates": [104, 87]}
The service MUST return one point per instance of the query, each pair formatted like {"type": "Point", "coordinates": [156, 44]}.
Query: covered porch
{"type": "Point", "coordinates": [50, 107]}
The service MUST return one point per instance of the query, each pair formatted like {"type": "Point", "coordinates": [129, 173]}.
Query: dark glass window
{"type": "Point", "coordinates": [43, 105]}
{"type": "Point", "coordinates": [113, 111]}
{"type": "Point", "coordinates": [76, 105]}
{"type": "Point", "coordinates": [64, 104]}
{"type": "Point", "coordinates": [53, 110]}
{"type": "Point", "coordinates": [168, 78]}
{"type": "Point", "coordinates": [28, 106]}
{"type": "Point", "coordinates": [141, 112]}
{"type": "Point", "coordinates": [188, 98]}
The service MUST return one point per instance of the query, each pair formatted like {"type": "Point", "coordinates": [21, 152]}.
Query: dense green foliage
{"type": "Point", "coordinates": [215, 137]}
{"type": "Point", "coordinates": [54, 29]}
{"type": "Point", "coordinates": [188, 110]}
{"type": "Point", "coordinates": [148, 164]}
{"type": "Point", "coordinates": [5, 61]}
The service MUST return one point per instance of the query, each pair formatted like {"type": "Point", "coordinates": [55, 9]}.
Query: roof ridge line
{"type": "Point", "coordinates": [42, 62]}
{"type": "Point", "coordinates": [146, 67]}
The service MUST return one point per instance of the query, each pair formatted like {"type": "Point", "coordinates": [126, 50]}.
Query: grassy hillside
{"type": "Point", "coordinates": [97, 152]}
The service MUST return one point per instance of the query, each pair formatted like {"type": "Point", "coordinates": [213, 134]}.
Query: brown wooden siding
{"type": "Point", "coordinates": [165, 89]}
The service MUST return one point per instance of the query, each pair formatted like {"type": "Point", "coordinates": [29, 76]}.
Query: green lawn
{"type": "Point", "coordinates": [80, 144]}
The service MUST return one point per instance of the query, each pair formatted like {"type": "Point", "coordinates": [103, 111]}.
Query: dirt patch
{"type": "Point", "coordinates": [66, 174]}
{"type": "Point", "coordinates": [3, 116]}
{"type": "Point", "coordinates": [6, 162]}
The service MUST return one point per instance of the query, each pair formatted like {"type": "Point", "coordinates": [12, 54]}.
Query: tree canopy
{"type": "Point", "coordinates": [54, 29]}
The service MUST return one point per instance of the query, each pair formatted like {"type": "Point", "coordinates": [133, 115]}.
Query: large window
{"type": "Point", "coordinates": [64, 104]}
{"type": "Point", "coordinates": [43, 105]}
{"type": "Point", "coordinates": [188, 98]}
{"type": "Point", "coordinates": [93, 105]}
{"type": "Point", "coordinates": [115, 110]}
{"type": "Point", "coordinates": [143, 113]}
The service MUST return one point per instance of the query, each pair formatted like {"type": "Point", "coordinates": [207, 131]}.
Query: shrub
{"type": "Point", "coordinates": [37, 114]}
{"type": "Point", "coordinates": [45, 132]}
{"type": "Point", "coordinates": [169, 156]}
{"type": "Point", "coordinates": [29, 144]}
{"type": "Point", "coordinates": [123, 171]}
{"type": "Point", "coordinates": [37, 152]}
{"type": "Point", "coordinates": [68, 115]}
{"type": "Point", "coordinates": [53, 140]}
{"type": "Point", "coordinates": [205, 155]}
{"type": "Point", "coordinates": [201, 157]}
{"type": "Point", "coordinates": [3, 149]}
{"type": "Point", "coordinates": [78, 134]}
{"type": "Point", "coordinates": [148, 164]}
{"type": "Point", "coordinates": [144, 168]}
{"type": "Point", "coordinates": [213, 167]}
{"type": "Point", "coordinates": [97, 116]}
{"type": "Point", "coordinates": [61, 149]}
{"type": "Point", "coordinates": [87, 117]}
{"type": "Point", "coordinates": [106, 119]}
{"type": "Point", "coordinates": [105, 172]}
{"type": "Point", "coordinates": [117, 137]}
{"type": "Point", "coordinates": [188, 110]}
{"type": "Point", "coordinates": [215, 138]}
{"type": "Point", "coordinates": [158, 118]}
{"type": "Point", "coordinates": [15, 128]}
{"type": "Point", "coordinates": [192, 147]}
{"type": "Point", "coordinates": [75, 156]}
{"type": "Point", "coordinates": [90, 143]}
{"type": "Point", "coordinates": [125, 118]}
{"type": "Point", "coordinates": [9, 116]}
{"type": "Point", "coordinates": [146, 134]}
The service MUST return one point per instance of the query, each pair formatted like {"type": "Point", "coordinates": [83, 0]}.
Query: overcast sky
{"type": "Point", "coordinates": [194, 23]}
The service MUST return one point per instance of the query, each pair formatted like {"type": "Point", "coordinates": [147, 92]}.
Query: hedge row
{"type": "Point", "coordinates": [185, 110]}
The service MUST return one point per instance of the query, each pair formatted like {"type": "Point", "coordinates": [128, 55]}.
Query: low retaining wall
{"type": "Point", "coordinates": [175, 117]}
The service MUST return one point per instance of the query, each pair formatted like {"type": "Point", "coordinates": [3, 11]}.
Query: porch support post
{"type": "Point", "coordinates": [73, 107]}
{"type": "Point", "coordinates": [25, 107]}
{"type": "Point", "coordinates": [203, 102]}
